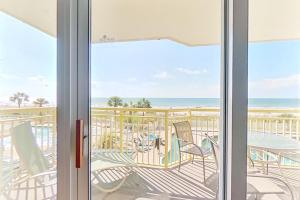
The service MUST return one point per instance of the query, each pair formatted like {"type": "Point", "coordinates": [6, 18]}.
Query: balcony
{"type": "Point", "coordinates": [156, 171]}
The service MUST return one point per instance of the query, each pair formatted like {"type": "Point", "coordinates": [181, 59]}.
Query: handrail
{"type": "Point", "coordinates": [122, 127]}
{"type": "Point", "coordinates": [202, 109]}
{"type": "Point", "coordinates": [26, 109]}
{"type": "Point", "coordinates": [199, 109]}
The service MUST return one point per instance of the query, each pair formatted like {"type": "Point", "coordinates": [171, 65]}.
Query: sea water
{"type": "Point", "coordinates": [205, 102]}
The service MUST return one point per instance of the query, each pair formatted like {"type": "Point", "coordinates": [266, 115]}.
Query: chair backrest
{"type": "Point", "coordinates": [27, 149]}
{"type": "Point", "coordinates": [216, 149]}
{"type": "Point", "coordinates": [184, 132]}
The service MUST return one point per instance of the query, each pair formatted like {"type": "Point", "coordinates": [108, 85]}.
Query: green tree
{"type": "Point", "coordinates": [143, 103]}
{"type": "Point", "coordinates": [19, 98]}
{"type": "Point", "coordinates": [125, 105]}
{"type": "Point", "coordinates": [40, 102]}
{"type": "Point", "coordinates": [115, 101]}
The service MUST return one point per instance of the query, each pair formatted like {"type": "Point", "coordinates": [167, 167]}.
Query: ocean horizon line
{"type": "Point", "coordinates": [190, 102]}
{"type": "Point", "coordinates": [204, 102]}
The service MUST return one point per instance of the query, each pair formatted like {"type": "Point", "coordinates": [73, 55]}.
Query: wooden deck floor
{"type": "Point", "coordinates": [149, 183]}
{"type": "Point", "coordinates": [159, 184]}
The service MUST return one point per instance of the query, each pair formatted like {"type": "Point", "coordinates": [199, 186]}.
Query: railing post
{"type": "Point", "coordinates": [121, 130]}
{"type": "Point", "coordinates": [190, 120]}
{"type": "Point", "coordinates": [166, 139]}
{"type": "Point", "coordinates": [1, 150]}
{"type": "Point", "coordinates": [54, 136]}
{"type": "Point", "coordinates": [290, 127]}
{"type": "Point", "coordinates": [190, 116]}
{"type": "Point", "coordinates": [297, 130]}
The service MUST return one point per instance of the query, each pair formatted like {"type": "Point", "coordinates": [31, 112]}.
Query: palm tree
{"type": "Point", "coordinates": [115, 101]}
{"type": "Point", "coordinates": [143, 103]}
{"type": "Point", "coordinates": [19, 98]}
{"type": "Point", "coordinates": [40, 102]}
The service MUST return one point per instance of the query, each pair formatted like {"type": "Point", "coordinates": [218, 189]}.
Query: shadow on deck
{"type": "Point", "coordinates": [149, 183]}
{"type": "Point", "coordinates": [160, 184]}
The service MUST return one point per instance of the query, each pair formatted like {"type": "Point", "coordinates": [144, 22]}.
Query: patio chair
{"type": "Point", "coordinates": [8, 173]}
{"type": "Point", "coordinates": [186, 144]}
{"type": "Point", "coordinates": [146, 142]}
{"type": "Point", "coordinates": [265, 158]}
{"type": "Point", "coordinates": [111, 168]}
{"type": "Point", "coordinates": [293, 156]}
{"type": "Point", "coordinates": [257, 184]}
{"type": "Point", "coordinates": [143, 143]}
{"type": "Point", "coordinates": [37, 166]}
{"type": "Point", "coordinates": [33, 171]}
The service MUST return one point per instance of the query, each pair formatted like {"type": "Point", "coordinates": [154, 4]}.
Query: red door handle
{"type": "Point", "coordinates": [79, 142]}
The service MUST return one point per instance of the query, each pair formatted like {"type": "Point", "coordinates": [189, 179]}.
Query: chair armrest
{"type": "Point", "coordinates": [277, 179]}
{"type": "Point", "coordinates": [43, 174]}
{"type": "Point", "coordinates": [27, 177]}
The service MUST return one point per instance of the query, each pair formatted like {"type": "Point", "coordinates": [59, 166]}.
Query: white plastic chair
{"type": "Point", "coordinates": [257, 184]}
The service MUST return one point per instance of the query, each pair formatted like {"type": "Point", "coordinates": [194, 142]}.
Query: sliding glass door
{"type": "Point", "coordinates": [152, 99]}
{"type": "Point", "coordinates": [161, 99]}
{"type": "Point", "coordinates": [274, 92]}
{"type": "Point", "coordinates": [28, 135]}
{"type": "Point", "coordinates": [155, 99]}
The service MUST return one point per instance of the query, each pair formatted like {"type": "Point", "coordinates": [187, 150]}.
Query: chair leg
{"type": "Point", "coordinates": [179, 161]}
{"type": "Point", "coordinates": [280, 170]}
{"type": "Point", "coordinates": [263, 167]}
{"type": "Point", "coordinates": [267, 163]}
{"type": "Point", "coordinates": [203, 163]}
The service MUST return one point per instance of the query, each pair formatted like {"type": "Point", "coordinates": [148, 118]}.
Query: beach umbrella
{"type": "Point", "coordinates": [192, 22]}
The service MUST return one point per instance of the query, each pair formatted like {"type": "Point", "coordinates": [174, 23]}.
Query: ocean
{"type": "Point", "coordinates": [205, 102]}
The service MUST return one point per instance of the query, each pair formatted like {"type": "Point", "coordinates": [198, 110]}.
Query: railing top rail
{"type": "Point", "coordinates": [199, 109]}
{"type": "Point", "coordinates": [26, 109]}
{"type": "Point", "coordinates": [25, 118]}
{"type": "Point", "coordinates": [141, 109]}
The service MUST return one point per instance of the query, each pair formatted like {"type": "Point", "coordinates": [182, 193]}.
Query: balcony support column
{"type": "Point", "coordinates": [166, 139]}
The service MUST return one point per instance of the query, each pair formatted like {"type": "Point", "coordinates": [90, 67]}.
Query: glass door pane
{"type": "Point", "coordinates": [274, 100]}
{"type": "Point", "coordinates": [155, 97]}
{"type": "Point", "coordinates": [28, 99]}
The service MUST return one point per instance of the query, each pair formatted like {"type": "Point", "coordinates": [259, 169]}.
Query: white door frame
{"type": "Point", "coordinates": [234, 100]}
{"type": "Point", "coordinates": [234, 96]}
{"type": "Point", "coordinates": [72, 87]}
{"type": "Point", "coordinates": [83, 59]}
{"type": "Point", "coordinates": [65, 174]}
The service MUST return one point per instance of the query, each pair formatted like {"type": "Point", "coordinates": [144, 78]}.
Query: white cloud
{"type": "Point", "coordinates": [162, 75]}
{"type": "Point", "coordinates": [191, 71]}
{"type": "Point", "coordinates": [8, 76]}
{"type": "Point", "coordinates": [40, 79]}
{"type": "Point", "coordinates": [276, 83]}
{"type": "Point", "coordinates": [154, 89]}
{"type": "Point", "coordinates": [282, 87]}
{"type": "Point", "coordinates": [99, 84]}
{"type": "Point", "coordinates": [131, 79]}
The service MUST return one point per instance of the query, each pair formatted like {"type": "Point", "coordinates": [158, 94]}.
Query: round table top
{"type": "Point", "coordinates": [271, 141]}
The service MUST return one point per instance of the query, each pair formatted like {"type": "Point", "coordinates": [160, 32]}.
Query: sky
{"type": "Point", "coordinates": [156, 68]}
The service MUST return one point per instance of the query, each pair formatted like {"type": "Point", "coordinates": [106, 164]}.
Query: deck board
{"type": "Point", "coordinates": [159, 184]}
{"type": "Point", "coordinates": [149, 183]}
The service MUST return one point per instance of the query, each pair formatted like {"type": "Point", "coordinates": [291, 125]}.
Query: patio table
{"type": "Point", "coordinates": [272, 142]}
{"type": "Point", "coordinates": [276, 144]}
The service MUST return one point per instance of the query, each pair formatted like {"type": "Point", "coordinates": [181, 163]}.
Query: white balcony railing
{"type": "Point", "coordinates": [139, 129]}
